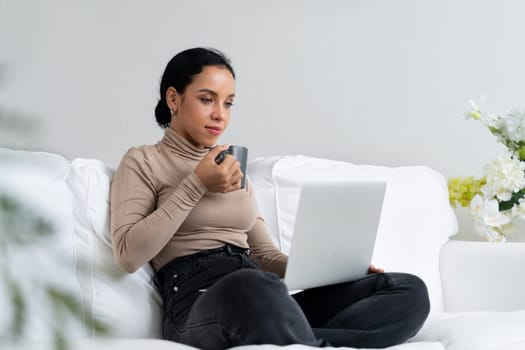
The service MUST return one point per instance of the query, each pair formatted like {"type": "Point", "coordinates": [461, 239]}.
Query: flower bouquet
{"type": "Point", "coordinates": [497, 198]}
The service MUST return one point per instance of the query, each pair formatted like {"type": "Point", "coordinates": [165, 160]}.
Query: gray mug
{"type": "Point", "coordinates": [241, 154]}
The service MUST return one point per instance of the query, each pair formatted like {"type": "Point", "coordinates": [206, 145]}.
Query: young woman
{"type": "Point", "coordinates": [218, 272]}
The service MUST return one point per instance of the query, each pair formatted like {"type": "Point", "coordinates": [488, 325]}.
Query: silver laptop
{"type": "Point", "coordinates": [334, 233]}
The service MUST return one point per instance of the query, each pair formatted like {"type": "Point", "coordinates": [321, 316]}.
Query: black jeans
{"type": "Point", "coordinates": [219, 298]}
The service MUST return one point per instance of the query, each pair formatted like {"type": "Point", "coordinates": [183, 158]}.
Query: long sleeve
{"type": "Point", "coordinates": [264, 251]}
{"type": "Point", "coordinates": [139, 230]}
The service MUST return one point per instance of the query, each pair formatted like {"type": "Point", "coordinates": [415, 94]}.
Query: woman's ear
{"type": "Point", "coordinates": [172, 99]}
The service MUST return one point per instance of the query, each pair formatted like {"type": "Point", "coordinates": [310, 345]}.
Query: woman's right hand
{"type": "Point", "coordinates": [223, 177]}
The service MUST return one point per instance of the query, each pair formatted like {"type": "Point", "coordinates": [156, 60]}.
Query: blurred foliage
{"type": "Point", "coordinates": [21, 227]}
{"type": "Point", "coordinates": [17, 226]}
{"type": "Point", "coordinates": [17, 130]}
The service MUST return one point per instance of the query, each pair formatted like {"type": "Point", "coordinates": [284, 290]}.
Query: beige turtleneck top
{"type": "Point", "coordinates": [161, 210]}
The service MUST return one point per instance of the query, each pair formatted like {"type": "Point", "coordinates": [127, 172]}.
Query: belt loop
{"type": "Point", "coordinates": [229, 250]}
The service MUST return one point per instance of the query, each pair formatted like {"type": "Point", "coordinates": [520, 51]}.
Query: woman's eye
{"type": "Point", "coordinates": [206, 100]}
{"type": "Point", "coordinates": [228, 104]}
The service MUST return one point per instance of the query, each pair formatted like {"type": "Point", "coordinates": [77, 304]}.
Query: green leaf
{"type": "Point", "coordinates": [515, 199]}
{"type": "Point", "coordinates": [19, 306]}
{"type": "Point", "coordinates": [19, 225]}
{"type": "Point", "coordinates": [59, 340]}
{"type": "Point", "coordinates": [65, 301]}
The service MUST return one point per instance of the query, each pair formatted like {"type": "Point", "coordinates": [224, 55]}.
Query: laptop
{"type": "Point", "coordinates": [334, 233]}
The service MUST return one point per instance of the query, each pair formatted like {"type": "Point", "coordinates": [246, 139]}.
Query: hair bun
{"type": "Point", "coordinates": [162, 114]}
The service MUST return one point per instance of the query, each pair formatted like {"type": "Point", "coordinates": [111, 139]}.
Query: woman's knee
{"type": "Point", "coordinates": [414, 288]}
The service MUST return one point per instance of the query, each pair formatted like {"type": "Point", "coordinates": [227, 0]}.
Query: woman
{"type": "Point", "coordinates": [217, 269]}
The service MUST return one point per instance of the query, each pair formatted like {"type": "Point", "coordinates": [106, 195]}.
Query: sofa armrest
{"type": "Point", "coordinates": [482, 276]}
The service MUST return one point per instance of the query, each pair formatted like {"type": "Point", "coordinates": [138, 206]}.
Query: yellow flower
{"type": "Point", "coordinates": [462, 190]}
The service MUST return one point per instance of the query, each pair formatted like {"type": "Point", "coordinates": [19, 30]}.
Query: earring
{"type": "Point", "coordinates": [173, 114]}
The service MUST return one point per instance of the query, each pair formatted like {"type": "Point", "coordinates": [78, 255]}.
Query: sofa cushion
{"type": "Point", "coordinates": [128, 303]}
{"type": "Point", "coordinates": [416, 219]}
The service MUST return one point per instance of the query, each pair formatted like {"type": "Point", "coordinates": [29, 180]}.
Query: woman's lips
{"type": "Point", "coordinates": [215, 131]}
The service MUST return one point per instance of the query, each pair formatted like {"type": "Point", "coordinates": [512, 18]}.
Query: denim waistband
{"type": "Point", "coordinates": [226, 250]}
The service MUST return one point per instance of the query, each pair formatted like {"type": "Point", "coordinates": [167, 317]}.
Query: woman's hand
{"type": "Point", "coordinates": [372, 269]}
{"type": "Point", "coordinates": [223, 177]}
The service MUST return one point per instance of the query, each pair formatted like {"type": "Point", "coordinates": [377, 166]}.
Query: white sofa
{"type": "Point", "coordinates": [476, 288]}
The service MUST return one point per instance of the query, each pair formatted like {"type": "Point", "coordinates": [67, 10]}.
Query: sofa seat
{"type": "Point", "coordinates": [414, 236]}
{"type": "Point", "coordinates": [476, 330]}
{"type": "Point", "coordinates": [159, 344]}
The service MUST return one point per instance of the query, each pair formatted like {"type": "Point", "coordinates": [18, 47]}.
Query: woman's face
{"type": "Point", "coordinates": [202, 113]}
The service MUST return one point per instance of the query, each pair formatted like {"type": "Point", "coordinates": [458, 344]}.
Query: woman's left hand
{"type": "Point", "coordinates": [372, 269]}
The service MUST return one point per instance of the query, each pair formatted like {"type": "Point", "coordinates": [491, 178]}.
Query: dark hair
{"type": "Point", "coordinates": [179, 74]}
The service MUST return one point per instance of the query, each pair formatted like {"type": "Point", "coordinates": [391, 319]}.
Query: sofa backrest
{"type": "Point", "coordinates": [415, 222]}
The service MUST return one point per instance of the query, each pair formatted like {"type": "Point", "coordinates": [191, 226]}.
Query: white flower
{"type": "Point", "coordinates": [492, 216]}
{"type": "Point", "coordinates": [488, 220]}
{"type": "Point", "coordinates": [474, 112]}
{"type": "Point", "coordinates": [512, 125]}
{"type": "Point", "coordinates": [477, 204]}
{"type": "Point", "coordinates": [505, 175]}
{"type": "Point", "coordinates": [520, 209]}
{"type": "Point", "coordinates": [487, 212]}
{"type": "Point", "coordinates": [489, 119]}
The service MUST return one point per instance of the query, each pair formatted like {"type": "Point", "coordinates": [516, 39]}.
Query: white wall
{"type": "Point", "coordinates": [367, 81]}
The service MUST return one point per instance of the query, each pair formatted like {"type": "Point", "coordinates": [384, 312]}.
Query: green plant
{"type": "Point", "coordinates": [22, 228]}
{"type": "Point", "coordinates": [19, 228]}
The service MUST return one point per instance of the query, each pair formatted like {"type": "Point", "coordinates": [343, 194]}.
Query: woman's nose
{"type": "Point", "coordinates": [218, 113]}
